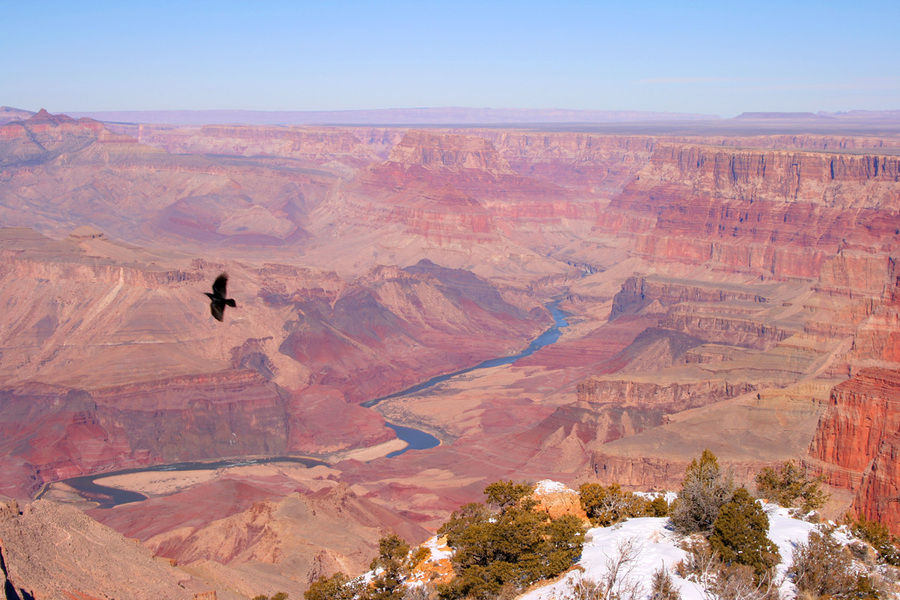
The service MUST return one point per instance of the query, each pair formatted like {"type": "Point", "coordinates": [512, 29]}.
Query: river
{"type": "Point", "coordinates": [107, 497]}
{"type": "Point", "coordinates": [416, 439]}
{"type": "Point", "coordinates": [550, 336]}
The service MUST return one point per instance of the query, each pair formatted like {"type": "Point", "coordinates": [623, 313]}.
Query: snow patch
{"type": "Point", "coordinates": [657, 546]}
{"type": "Point", "coordinates": [439, 550]}
{"type": "Point", "coordinates": [548, 486]}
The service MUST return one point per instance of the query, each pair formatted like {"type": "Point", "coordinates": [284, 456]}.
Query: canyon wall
{"type": "Point", "coordinates": [857, 442]}
{"type": "Point", "coordinates": [774, 213]}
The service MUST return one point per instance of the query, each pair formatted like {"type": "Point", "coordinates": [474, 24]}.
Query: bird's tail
{"type": "Point", "coordinates": [230, 302]}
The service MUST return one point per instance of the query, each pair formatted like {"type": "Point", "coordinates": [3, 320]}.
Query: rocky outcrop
{"type": "Point", "coordinates": [777, 176]}
{"type": "Point", "coordinates": [861, 414]}
{"type": "Point", "coordinates": [56, 551]}
{"type": "Point", "coordinates": [163, 195]}
{"type": "Point", "coordinates": [654, 473]}
{"type": "Point", "coordinates": [44, 137]}
{"type": "Point", "coordinates": [857, 443]}
{"type": "Point", "coordinates": [450, 189]}
{"type": "Point", "coordinates": [448, 151]}
{"type": "Point", "coordinates": [639, 292]}
{"type": "Point", "coordinates": [305, 535]}
{"type": "Point", "coordinates": [660, 396]}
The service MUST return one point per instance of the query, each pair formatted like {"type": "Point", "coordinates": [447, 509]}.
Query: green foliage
{"type": "Point", "coordinates": [720, 580]}
{"type": "Point", "coordinates": [504, 494]}
{"type": "Point", "coordinates": [277, 596]}
{"type": "Point", "coordinates": [658, 507]}
{"type": "Point", "coordinates": [421, 553]}
{"type": "Point", "coordinates": [740, 534]}
{"type": "Point", "coordinates": [508, 550]}
{"type": "Point", "coordinates": [789, 486]}
{"type": "Point", "coordinates": [607, 505]}
{"type": "Point", "coordinates": [879, 537]}
{"type": "Point", "coordinates": [336, 587]}
{"type": "Point", "coordinates": [704, 491]}
{"type": "Point", "coordinates": [392, 551]}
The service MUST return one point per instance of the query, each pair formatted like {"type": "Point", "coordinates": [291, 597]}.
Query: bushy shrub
{"type": "Point", "coordinates": [421, 592]}
{"type": "Point", "coordinates": [607, 505]}
{"type": "Point", "coordinates": [704, 491]}
{"type": "Point", "coordinates": [823, 566]}
{"type": "Point", "coordinates": [879, 537]}
{"type": "Point", "coordinates": [420, 554]}
{"type": "Point", "coordinates": [720, 580]}
{"type": "Point", "coordinates": [741, 582]}
{"type": "Point", "coordinates": [662, 586]}
{"type": "Point", "coordinates": [504, 494]}
{"type": "Point", "coordinates": [658, 507]}
{"type": "Point", "coordinates": [336, 587]}
{"type": "Point", "coordinates": [392, 551]}
{"type": "Point", "coordinates": [700, 563]}
{"type": "Point", "coordinates": [739, 534]}
{"type": "Point", "coordinates": [502, 552]}
{"type": "Point", "coordinates": [789, 486]}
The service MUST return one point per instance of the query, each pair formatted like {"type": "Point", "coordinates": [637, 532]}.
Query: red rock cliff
{"type": "Point", "coordinates": [779, 213]}
{"type": "Point", "coordinates": [857, 444]}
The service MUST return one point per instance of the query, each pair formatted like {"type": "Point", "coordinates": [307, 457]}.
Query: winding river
{"type": "Point", "coordinates": [416, 439]}
{"type": "Point", "coordinates": [551, 336]}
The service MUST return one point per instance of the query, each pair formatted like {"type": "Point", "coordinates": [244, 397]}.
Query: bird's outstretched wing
{"type": "Point", "coordinates": [220, 284]}
{"type": "Point", "coordinates": [217, 309]}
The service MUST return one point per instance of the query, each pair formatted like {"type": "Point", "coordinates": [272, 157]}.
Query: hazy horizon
{"type": "Point", "coordinates": [705, 59]}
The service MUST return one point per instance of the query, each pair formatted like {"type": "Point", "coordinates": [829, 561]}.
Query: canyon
{"type": "Point", "coordinates": [738, 292]}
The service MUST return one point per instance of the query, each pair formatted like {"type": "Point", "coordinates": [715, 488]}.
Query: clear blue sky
{"type": "Point", "coordinates": [722, 57]}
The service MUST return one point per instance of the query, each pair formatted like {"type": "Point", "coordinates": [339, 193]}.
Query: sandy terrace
{"type": "Point", "coordinates": [162, 483]}
{"type": "Point", "coordinates": [159, 483]}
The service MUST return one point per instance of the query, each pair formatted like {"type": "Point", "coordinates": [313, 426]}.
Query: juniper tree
{"type": "Point", "coordinates": [607, 505]}
{"type": "Point", "coordinates": [789, 486]}
{"type": "Point", "coordinates": [392, 550]}
{"type": "Point", "coordinates": [499, 552]}
{"type": "Point", "coordinates": [740, 534]}
{"type": "Point", "coordinates": [703, 492]}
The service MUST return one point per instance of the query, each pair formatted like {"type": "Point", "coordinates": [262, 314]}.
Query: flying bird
{"type": "Point", "coordinates": [218, 301]}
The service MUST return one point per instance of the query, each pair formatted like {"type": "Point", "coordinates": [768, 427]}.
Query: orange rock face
{"type": "Point", "coordinates": [858, 440]}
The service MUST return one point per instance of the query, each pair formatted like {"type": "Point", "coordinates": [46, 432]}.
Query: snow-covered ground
{"type": "Point", "coordinates": [656, 547]}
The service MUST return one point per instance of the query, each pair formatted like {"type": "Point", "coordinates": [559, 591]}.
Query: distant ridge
{"type": "Point", "coordinates": [786, 116]}
{"type": "Point", "coordinates": [9, 114]}
{"type": "Point", "coordinates": [393, 116]}
{"type": "Point", "coordinates": [852, 115]}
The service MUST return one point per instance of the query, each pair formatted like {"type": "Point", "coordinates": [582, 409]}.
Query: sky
{"type": "Point", "coordinates": [720, 58]}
